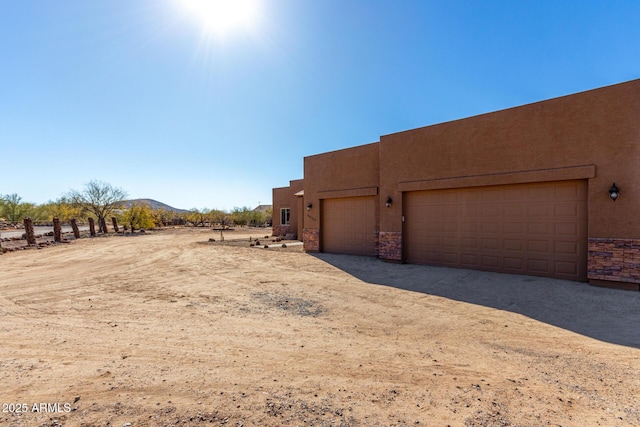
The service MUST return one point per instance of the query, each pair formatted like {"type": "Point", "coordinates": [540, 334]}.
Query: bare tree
{"type": "Point", "coordinates": [98, 198]}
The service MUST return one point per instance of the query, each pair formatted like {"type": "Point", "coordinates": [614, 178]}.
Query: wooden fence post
{"type": "Point", "coordinates": [28, 229]}
{"type": "Point", "coordinates": [76, 230]}
{"type": "Point", "coordinates": [57, 230]}
{"type": "Point", "coordinates": [92, 227]}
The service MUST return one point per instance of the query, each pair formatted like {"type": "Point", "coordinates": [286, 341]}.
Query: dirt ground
{"type": "Point", "coordinates": [169, 329]}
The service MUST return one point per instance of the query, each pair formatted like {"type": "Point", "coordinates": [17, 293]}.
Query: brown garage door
{"type": "Point", "coordinates": [348, 226]}
{"type": "Point", "coordinates": [538, 229]}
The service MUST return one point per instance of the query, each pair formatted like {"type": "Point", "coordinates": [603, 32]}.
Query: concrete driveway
{"type": "Point", "coordinates": [608, 315]}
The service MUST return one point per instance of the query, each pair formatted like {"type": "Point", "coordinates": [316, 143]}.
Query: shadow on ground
{"type": "Point", "coordinates": [604, 314]}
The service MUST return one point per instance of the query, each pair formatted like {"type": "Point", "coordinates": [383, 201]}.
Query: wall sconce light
{"type": "Point", "coordinates": [309, 206]}
{"type": "Point", "coordinates": [614, 192]}
{"type": "Point", "coordinates": [389, 200]}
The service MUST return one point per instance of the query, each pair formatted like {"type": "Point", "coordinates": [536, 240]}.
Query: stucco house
{"type": "Point", "coordinates": [548, 189]}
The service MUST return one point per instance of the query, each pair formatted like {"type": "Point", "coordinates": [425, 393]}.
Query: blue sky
{"type": "Point", "coordinates": [135, 93]}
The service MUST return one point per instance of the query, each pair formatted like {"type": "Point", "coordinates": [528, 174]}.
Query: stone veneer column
{"type": "Point", "coordinates": [311, 239]}
{"type": "Point", "coordinates": [614, 260]}
{"type": "Point", "coordinates": [390, 245]}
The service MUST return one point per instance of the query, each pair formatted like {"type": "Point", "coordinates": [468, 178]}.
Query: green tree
{"type": "Point", "coordinates": [33, 211]}
{"type": "Point", "coordinates": [268, 216]}
{"type": "Point", "coordinates": [257, 218]}
{"type": "Point", "coordinates": [162, 217]}
{"type": "Point", "coordinates": [240, 216]}
{"type": "Point", "coordinates": [13, 209]}
{"type": "Point", "coordinates": [98, 198]}
{"type": "Point", "coordinates": [218, 217]}
{"type": "Point", "coordinates": [246, 216]}
{"type": "Point", "coordinates": [138, 216]}
{"type": "Point", "coordinates": [61, 208]}
{"type": "Point", "coordinates": [198, 217]}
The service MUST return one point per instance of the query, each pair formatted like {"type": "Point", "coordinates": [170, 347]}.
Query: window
{"type": "Point", "coordinates": [285, 216]}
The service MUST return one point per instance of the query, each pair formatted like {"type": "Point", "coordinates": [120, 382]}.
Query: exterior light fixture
{"type": "Point", "coordinates": [309, 206]}
{"type": "Point", "coordinates": [389, 200]}
{"type": "Point", "coordinates": [614, 192]}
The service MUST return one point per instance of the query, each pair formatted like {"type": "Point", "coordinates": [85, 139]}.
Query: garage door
{"type": "Point", "coordinates": [537, 229]}
{"type": "Point", "coordinates": [348, 226]}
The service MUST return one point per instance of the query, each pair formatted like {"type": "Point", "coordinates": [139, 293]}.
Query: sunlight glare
{"type": "Point", "coordinates": [220, 17]}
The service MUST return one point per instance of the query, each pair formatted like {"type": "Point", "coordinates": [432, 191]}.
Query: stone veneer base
{"type": "Point", "coordinates": [614, 261]}
{"type": "Point", "coordinates": [311, 240]}
{"type": "Point", "coordinates": [390, 245]}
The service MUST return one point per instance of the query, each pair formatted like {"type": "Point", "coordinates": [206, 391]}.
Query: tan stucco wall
{"type": "Point", "coordinates": [343, 173]}
{"type": "Point", "coordinates": [546, 140]}
{"type": "Point", "coordinates": [284, 197]}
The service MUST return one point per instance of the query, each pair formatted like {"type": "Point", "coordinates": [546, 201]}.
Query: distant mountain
{"type": "Point", "coordinates": [154, 204]}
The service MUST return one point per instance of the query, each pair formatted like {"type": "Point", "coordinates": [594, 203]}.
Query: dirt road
{"type": "Point", "coordinates": [168, 329]}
